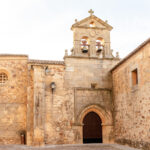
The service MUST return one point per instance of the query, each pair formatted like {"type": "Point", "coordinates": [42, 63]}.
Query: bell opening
{"type": "Point", "coordinates": [84, 50]}
{"type": "Point", "coordinates": [99, 50]}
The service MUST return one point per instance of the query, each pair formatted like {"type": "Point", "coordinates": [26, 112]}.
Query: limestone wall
{"type": "Point", "coordinates": [59, 108]}
{"type": "Point", "coordinates": [132, 102]}
{"type": "Point", "coordinates": [13, 96]}
{"type": "Point", "coordinates": [81, 72]}
{"type": "Point", "coordinates": [98, 101]}
{"type": "Point", "coordinates": [53, 123]}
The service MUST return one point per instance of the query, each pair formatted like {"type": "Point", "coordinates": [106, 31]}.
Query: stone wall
{"type": "Point", "coordinates": [85, 97]}
{"type": "Point", "coordinates": [54, 123]}
{"type": "Point", "coordinates": [13, 98]}
{"type": "Point", "coordinates": [29, 105]}
{"type": "Point", "coordinates": [59, 108]}
{"type": "Point", "coordinates": [80, 74]}
{"type": "Point", "coordinates": [92, 35]}
{"type": "Point", "coordinates": [132, 102]}
{"type": "Point", "coordinates": [98, 101]}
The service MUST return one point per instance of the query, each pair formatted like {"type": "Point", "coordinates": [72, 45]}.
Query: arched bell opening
{"type": "Point", "coordinates": [92, 128]}
{"type": "Point", "coordinates": [92, 24]}
{"type": "Point", "coordinates": [99, 45]}
{"type": "Point", "coordinates": [85, 44]}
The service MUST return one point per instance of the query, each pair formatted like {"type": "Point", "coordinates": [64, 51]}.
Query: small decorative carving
{"type": "Point", "coordinates": [92, 33]}
{"type": "Point", "coordinates": [93, 85]}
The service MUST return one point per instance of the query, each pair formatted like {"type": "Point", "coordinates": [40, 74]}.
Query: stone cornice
{"type": "Point", "coordinates": [109, 27]}
{"type": "Point", "coordinates": [85, 57]}
{"type": "Point", "coordinates": [13, 55]}
{"type": "Point", "coordinates": [43, 62]}
{"type": "Point", "coordinates": [93, 89]}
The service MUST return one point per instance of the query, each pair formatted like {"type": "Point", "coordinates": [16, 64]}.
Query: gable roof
{"type": "Point", "coordinates": [77, 24]}
{"type": "Point", "coordinates": [131, 54]}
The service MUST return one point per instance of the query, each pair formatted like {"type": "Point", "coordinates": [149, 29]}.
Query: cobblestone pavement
{"type": "Point", "coordinates": [69, 147]}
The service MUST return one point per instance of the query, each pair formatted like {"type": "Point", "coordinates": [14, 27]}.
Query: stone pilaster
{"type": "Point", "coordinates": [93, 49]}
{"type": "Point", "coordinates": [39, 105]}
{"type": "Point", "coordinates": [29, 134]}
{"type": "Point", "coordinates": [107, 50]}
{"type": "Point", "coordinates": [77, 48]}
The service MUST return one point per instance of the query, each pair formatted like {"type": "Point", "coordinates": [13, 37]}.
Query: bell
{"type": "Point", "coordinates": [84, 49]}
{"type": "Point", "coordinates": [99, 50]}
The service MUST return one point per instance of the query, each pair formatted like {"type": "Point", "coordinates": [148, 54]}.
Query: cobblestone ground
{"type": "Point", "coordinates": [69, 147]}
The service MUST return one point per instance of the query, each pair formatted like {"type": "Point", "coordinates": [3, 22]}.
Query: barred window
{"type": "Point", "coordinates": [3, 78]}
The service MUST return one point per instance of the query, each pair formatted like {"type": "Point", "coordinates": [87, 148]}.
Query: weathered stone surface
{"type": "Point", "coordinates": [83, 84]}
{"type": "Point", "coordinates": [132, 105]}
{"type": "Point", "coordinates": [13, 95]}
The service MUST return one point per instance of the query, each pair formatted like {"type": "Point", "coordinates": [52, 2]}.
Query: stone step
{"type": "Point", "coordinates": [69, 147]}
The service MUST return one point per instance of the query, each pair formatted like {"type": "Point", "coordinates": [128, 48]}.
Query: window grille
{"type": "Point", "coordinates": [3, 78]}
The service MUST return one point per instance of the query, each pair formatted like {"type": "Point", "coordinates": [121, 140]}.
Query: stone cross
{"type": "Point", "coordinates": [91, 12]}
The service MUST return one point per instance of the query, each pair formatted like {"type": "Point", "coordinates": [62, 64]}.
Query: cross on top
{"type": "Point", "coordinates": [91, 12]}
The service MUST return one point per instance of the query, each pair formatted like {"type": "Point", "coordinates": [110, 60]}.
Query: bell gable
{"type": "Point", "coordinates": [92, 21]}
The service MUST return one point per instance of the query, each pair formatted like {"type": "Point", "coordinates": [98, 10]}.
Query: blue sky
{"type": "Point", "coordinates": [41, 28]}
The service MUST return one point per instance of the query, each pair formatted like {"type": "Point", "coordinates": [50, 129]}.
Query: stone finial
{"type": "Point", "coordinates": [76, 20]}
{"type": "Point", "coordinates": [91, 12]}
{"type": "Point", "coordinates": [117, 54]}
{"type": "Point", "coordinates": [66, 52]}
{"type": "Point", "coordinates": [72, 51]}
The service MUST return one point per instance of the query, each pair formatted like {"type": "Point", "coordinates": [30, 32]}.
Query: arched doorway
{"type": "Point", "coordinates": [92, 128]}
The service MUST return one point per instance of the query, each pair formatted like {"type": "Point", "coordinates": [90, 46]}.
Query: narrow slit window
{"type": "Point", "coordinates": [135, 77]}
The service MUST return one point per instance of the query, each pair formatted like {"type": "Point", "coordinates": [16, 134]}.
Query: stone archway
{"type": "Point", "coordinates": [106, 119]}
{"type": "Point", "coordinates": [92, 128]}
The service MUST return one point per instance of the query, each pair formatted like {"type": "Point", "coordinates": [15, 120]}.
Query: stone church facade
{"type": "Point", "coordinates": [83, 98]}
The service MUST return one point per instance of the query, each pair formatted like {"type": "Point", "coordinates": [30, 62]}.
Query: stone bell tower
{"type": "Point", "coordinates": [91, 57]}
{"type": "Point", "coordinates": [91, 37]}
{"type": "Point", "coordinates": [87, 72]}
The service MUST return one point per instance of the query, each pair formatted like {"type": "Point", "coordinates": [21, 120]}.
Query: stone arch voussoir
{"type": "Point", "coordinates": [105, 116]}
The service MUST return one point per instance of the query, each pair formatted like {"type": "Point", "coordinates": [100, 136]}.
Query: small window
{"type": "Point", "coordinates": [135, 77]}
{"type": "Point", "coordinates": [3, 78]}
{"type": "Point", "coordinates": [93, 85]}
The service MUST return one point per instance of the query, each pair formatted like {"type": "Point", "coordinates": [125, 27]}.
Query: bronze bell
{"type": "Point", "coordinates": [100, 48]}
{"type": "Point", "coordinates": [84, 49]}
